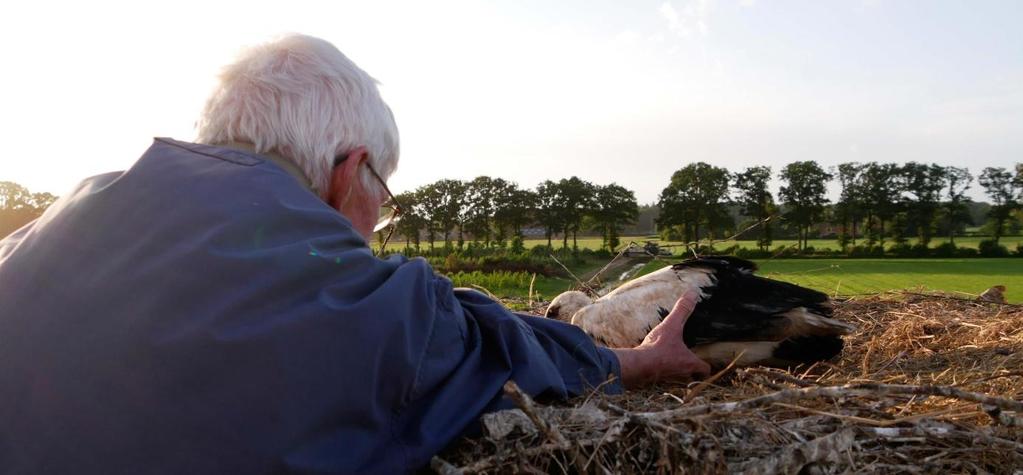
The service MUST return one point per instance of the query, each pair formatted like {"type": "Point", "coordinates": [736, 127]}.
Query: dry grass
{"type": "Point", "coordinates": [927, 384]}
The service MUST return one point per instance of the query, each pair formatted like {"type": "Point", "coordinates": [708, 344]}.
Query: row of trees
{"type": "Point", "coordinates": [877, 200]}
{"type": "Point", "coordinates": [490, 210]}
{"type": "Point", "coordinates": [18, 206]}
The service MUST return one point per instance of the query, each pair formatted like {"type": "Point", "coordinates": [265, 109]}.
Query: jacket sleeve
{"type": "Point", "coordinates": [476, 347]}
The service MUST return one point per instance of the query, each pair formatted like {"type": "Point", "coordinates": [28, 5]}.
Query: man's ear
{"type": "Point", "coordinates": [344, 177]}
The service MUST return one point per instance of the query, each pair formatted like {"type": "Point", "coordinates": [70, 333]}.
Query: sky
{"type": "Point", "coordinates": [610, 91]}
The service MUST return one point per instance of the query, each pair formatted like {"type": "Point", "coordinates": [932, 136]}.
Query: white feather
{"type": "Point", "coordinates": [622, 318]}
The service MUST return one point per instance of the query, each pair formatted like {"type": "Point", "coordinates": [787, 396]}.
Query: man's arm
{"type": "Point", "coordinates": [663, 357]}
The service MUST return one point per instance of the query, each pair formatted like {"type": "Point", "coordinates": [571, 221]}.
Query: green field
{"type": "Point", "coordinates": [851, 277]}
{"type": "Point", "coordinates": [594, 243]}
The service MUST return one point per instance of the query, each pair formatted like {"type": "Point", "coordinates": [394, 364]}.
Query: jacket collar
{"type": "Point", "coordinates": [284, 162]}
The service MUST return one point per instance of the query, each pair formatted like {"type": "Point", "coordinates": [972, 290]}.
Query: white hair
{"type": "Point", "coordinates": [300, 97]}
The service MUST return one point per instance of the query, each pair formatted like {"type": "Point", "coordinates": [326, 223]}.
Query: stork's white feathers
{"type": "Point", "coordinates": [622, 318]}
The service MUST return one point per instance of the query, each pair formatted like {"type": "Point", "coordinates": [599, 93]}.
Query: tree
{"type": "Point", "coordinates": [576, 198]}
{"type": "Point", "coordinates": [430, 197]}
{"type": "Point", "coordinates": [924, 183]}
{"type": "Point", "coordinates": [19, 206]}
{"type": "Point", "coordinates": [513, 209]}
{"type": "Point", "coordinates": [999, 184]}
{"type": "Point", "coordinates": [615, 206]}
{"type": "Point", "coordinates": [448, 213]}
{"type": "Point", "coordinates": [14, 197]}
{"type": "Point", "coordinates": [413, 218]}
{"type": "Point", "coordinates": [42, 200]}
{"type": "Point", "coordinates": [882, 188]}
{"type": "Point", "coordinates": [804, 195]}
{"type": "Point", "coordinates": [479, 206]}
{"type": "Point", "coordinates": [549, 212]}
{"type": "Point", "coordinates": [696, 193]}
{"type": "Point", "coordinates": [849, 209]}
{"type": "Point", "coordinates": [958, 181]}
{"type": "Point", "coordinates": [756, 200]}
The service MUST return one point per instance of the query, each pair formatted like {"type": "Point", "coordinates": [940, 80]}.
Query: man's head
{"type": "Point", "coordinates": [300, 97]}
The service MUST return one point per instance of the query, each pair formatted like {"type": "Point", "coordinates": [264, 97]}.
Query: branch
{"type": "Point", "coordinates": [792, 458]}
{"type": "Point", "coordinates": [861, 390]}
{"type": "Point", "coordinates": [549, 429]}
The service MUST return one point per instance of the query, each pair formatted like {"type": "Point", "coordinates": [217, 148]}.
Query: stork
{"type": "Point", "coordinates": [740, 316]}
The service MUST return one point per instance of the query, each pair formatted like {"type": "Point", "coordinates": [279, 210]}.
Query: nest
{"type": "Point", "coordinates": [928, 384]}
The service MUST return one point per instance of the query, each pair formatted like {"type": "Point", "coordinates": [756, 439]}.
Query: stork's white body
{"type": "Point", "coordinates": [623, 317]}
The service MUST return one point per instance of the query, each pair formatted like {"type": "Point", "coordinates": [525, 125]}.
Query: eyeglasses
{"type": "Point", "coordinates": [390, 211]}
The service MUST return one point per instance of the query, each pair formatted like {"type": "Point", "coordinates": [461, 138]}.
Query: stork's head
{"type": "Point", "coordinates": [565, 305]}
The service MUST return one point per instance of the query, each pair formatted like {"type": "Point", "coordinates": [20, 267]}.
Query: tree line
{"type": "Point", "coordinates": [490, 211]}
{"type": "Point", "coordinates": [18, 206]}
{"type": "Point", "coordinates": [877, 201]}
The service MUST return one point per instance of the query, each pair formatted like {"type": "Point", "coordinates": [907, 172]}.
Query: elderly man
{"type": "Point", "coordinates": [215, 308]}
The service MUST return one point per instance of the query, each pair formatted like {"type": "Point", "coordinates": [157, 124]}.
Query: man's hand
{"type": "Point", "coordinates": [663, 357]}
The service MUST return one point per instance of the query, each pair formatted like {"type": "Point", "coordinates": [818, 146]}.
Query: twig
{"type": "Point", "coordinates": [862, 390]}
{"type": "Point", "coordinates": [442, 467]}
{"type": "Point", "coordinates": [577, 279]}
{"type": "Point", "coordinates": [781, 376]}
{"type": "Point", "coordinates": [868, 421]}
{"type": "Point", "coordinates": [532, 281]}
{"type": "Point", "coordinates": [1007, 420]}
{"type": "Point", "coordinates": [484, 290]}
{"type": "Point", "coordinates": [525, 403]}
{"type": "Point", "coordinates": [490, 463]}
{"type": "Point", "coordinates": [707, 382]}
{"type": "Point", "coordinates": [794, 457]}
{"type": "Point", "coordinates": [608, 265]}
{"type": "Point", "coordinates": [961, 299]}
{"type": "Point", "coordinates": [1003, 375]}
{"type": "Point", "coordinates": [938, 432]}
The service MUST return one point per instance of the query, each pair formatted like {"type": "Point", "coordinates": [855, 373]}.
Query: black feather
{"type": "Point", "coordinates": [809, 349]}
{"type": "Point", "coordinates": [741, 306]}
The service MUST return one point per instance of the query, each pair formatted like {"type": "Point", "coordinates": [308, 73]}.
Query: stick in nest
{"type": "Point", "coordinates": [863, 389]}
{"type": "Point", "coordinates": [793, 458]}
{"type": "Point", "coordinates": [524, 402]}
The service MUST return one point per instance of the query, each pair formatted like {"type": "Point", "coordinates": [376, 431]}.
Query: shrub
{"type": "Point", "coordinates": [866, 251]}
{"type": "Point", "coordinates": [491, 280]}
{"type": "Point", "coordinates": [543, 250]}
{"type": "Point", "coordinates": [966, 252]}
{"type": "Point", "coordinates": [784, 251]}
{"type": "Point", "coordinates": [990, 248]}
{"type": "Point", "coordinates": [901, 250]}
{"type": "Point", "coordinates": [1019, 249]}
{"type": "Point", "coordinates": [920, 250]}
{"type": "Point", "coordinates": [945, 249]}
{"type": "Point", "coordinates": [745, 253]}
{"type": "Point", "coordinates": [517, 245]}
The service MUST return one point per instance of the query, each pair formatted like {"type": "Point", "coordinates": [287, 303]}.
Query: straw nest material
{"type": "Point", "coordinates": [928, 384]}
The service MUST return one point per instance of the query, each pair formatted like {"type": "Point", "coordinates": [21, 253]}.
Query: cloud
{"type": "Point", "coordinates": [747, 3]}
{"type": "Point", "coordinates": [692, 18]}
{"type": "Point", "coordinates": [668, 12]}
{"type": "Point", "coordinates": [628, 37]}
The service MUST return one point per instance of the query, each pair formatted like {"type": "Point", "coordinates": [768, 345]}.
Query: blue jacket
{"type": "Point", "coordinates": [203, 312]}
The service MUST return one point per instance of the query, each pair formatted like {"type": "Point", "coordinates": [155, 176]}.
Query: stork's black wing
{"type": "Point", "coordinates": [742, 306]}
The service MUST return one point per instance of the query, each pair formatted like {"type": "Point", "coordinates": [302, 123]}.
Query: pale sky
{"type": "Point", "coordinates": [623, 91]}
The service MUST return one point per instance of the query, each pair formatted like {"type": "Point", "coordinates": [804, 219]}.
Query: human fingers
{"type": "Point", "coordinates": [684, 306]}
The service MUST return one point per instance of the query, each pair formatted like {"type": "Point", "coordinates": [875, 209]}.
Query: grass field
{"type": "Point", "coordinates": [850, 277]}
{"type": "Point", "coordinates": [846, 277]}
{"type": "Point", "coordinates": [595, 243]}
